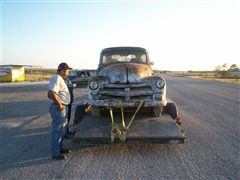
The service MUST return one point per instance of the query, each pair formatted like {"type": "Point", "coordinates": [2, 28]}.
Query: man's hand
{"type": "Point", "coordinates": [55, 99]}
{"type": "Point", "coordinates": [61, 107]}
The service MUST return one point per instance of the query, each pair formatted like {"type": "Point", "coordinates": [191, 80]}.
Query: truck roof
{"type": "Point", "coordinates": [123, 48]}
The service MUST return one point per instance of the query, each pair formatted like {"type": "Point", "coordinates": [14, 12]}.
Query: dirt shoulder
{"type": "Point", "coordinates": [205, 76]}
{"type": "Point", "coordinates": [231, 81]}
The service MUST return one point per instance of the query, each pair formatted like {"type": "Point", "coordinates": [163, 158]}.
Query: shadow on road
{"type": "Point", "coordinates": [25, 134]}
{"type": "Point", "coordinates": [21, 109]}
{"type": "Point", "coordinates": [24, 89]}
{"type": "Point", "coordinates": [25, 145]}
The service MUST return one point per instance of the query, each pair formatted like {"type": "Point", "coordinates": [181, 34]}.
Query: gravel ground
{"type": "Point", "coordinates": [210, 113]}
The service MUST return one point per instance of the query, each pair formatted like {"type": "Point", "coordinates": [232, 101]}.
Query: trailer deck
{"type": "Point", "coordinates": [144, 129]}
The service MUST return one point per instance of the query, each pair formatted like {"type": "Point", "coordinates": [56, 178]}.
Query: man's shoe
{"type": "Point", "coordinates": [59, 157]}
{"type": "Point", "coordinates": [65, 151]}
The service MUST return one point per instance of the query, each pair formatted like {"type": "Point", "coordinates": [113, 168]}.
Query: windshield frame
{"type": "Point", "coordinates": [123, 55]}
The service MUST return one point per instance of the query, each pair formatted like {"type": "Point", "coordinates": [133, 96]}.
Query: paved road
{"type": "Point", "coordinates": [210, 112]}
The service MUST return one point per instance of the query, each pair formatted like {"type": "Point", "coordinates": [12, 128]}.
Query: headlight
{"type": "Point", "coordinates": [93, 85]}
{"type": "Point", "coordinates": [160, 83]}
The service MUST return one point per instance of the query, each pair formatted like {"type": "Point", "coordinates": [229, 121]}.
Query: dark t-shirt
{"type": "Point", "coordinates": [70, 88]}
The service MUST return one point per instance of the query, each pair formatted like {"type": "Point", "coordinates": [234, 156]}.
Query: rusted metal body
{"type": "Point", "coordinates": [125, 77]}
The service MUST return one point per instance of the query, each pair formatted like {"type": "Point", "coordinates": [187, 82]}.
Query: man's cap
{"type": "Point", "coordinates": [63, 66]}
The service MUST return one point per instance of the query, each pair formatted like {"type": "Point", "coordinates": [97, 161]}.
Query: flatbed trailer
{"type": "Point", "coordinates": [145, 129]}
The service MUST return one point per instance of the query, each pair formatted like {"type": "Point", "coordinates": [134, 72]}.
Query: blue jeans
{"type": "Point", "coordinates": [59, 122]}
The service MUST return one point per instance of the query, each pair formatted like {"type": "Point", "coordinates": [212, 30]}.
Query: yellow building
{"type": "Point", "coordinates": [12, 73]}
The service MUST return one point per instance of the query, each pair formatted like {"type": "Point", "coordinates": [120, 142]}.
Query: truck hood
{"type": "Point", "coordinates": [126, 73]}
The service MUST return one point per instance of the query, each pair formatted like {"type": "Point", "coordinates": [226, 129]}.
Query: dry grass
{"type": "Point", "coordinates": [211, 76]}
{"type": "Point", "coordinates": [39, 74]}
{"type": "Point", "coordinates": [37, 77]}
{"type": "Point", "coordinates": [231, 81]}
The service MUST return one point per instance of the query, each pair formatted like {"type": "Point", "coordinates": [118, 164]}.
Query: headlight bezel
{"type": "Point", "coordinates": [93, 85]}
{"type": "Point", "coordinates": [160, 83]}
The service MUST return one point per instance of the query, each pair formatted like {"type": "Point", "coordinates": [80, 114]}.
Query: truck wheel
{"type": "Point", "coordinates": [171, 110]}
{"type": "Point", "coordinates": [95, 111]}
{"type": "Point", "coordinates": [79, 113]}
{"type": "Point", "coordinates": [157, 111]}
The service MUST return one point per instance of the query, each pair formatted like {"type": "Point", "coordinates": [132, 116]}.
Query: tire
{"type": "Point", "coordinates": [79, 113]}
{"type": "Point", "coordinates": [171, 110]}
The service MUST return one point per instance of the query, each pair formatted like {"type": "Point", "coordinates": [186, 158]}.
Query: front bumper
{"type": "Point", "coordinates": [108, 103]}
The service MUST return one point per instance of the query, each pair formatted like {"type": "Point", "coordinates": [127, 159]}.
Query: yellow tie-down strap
{"type": "Point", "coordinates": [116, 131]}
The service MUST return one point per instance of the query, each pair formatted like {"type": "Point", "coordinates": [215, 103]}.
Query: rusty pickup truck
{"type": "Point", "coordinates": [125, 76]}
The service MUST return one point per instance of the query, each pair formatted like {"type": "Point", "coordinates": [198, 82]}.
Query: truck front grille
{"type": "Point", "coordinates": [126, 93]}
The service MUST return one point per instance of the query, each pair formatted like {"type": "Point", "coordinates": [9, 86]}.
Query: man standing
{"type": "Point", "coordinates": [59, 95]}
{"type": "Point", "coordinates": [69, 133]}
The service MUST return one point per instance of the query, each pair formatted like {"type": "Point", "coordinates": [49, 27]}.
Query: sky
{"type": "Point", "coordinates": [178, 34]}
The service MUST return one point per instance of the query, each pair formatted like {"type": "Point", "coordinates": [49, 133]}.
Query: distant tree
{"type": "Point", "coordinates": [221, 67]}
{"type": "Point", "coordinates": [230, 71]}
{"type": "Point", "coordinates": [224, 72]}
{"type": "Point", "coordinates": [221, 71]}
{"type": "Point", "coordinates": [224, 66]}
{"type": "Point", "coordinates": [233, 66]}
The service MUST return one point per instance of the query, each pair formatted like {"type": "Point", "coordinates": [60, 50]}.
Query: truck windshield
{"type": "Point", "coordinates": [124, 56]}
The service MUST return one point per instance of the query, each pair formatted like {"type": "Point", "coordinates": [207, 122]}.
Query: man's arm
{"type": "Point", "coordinates": [55, 99]}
